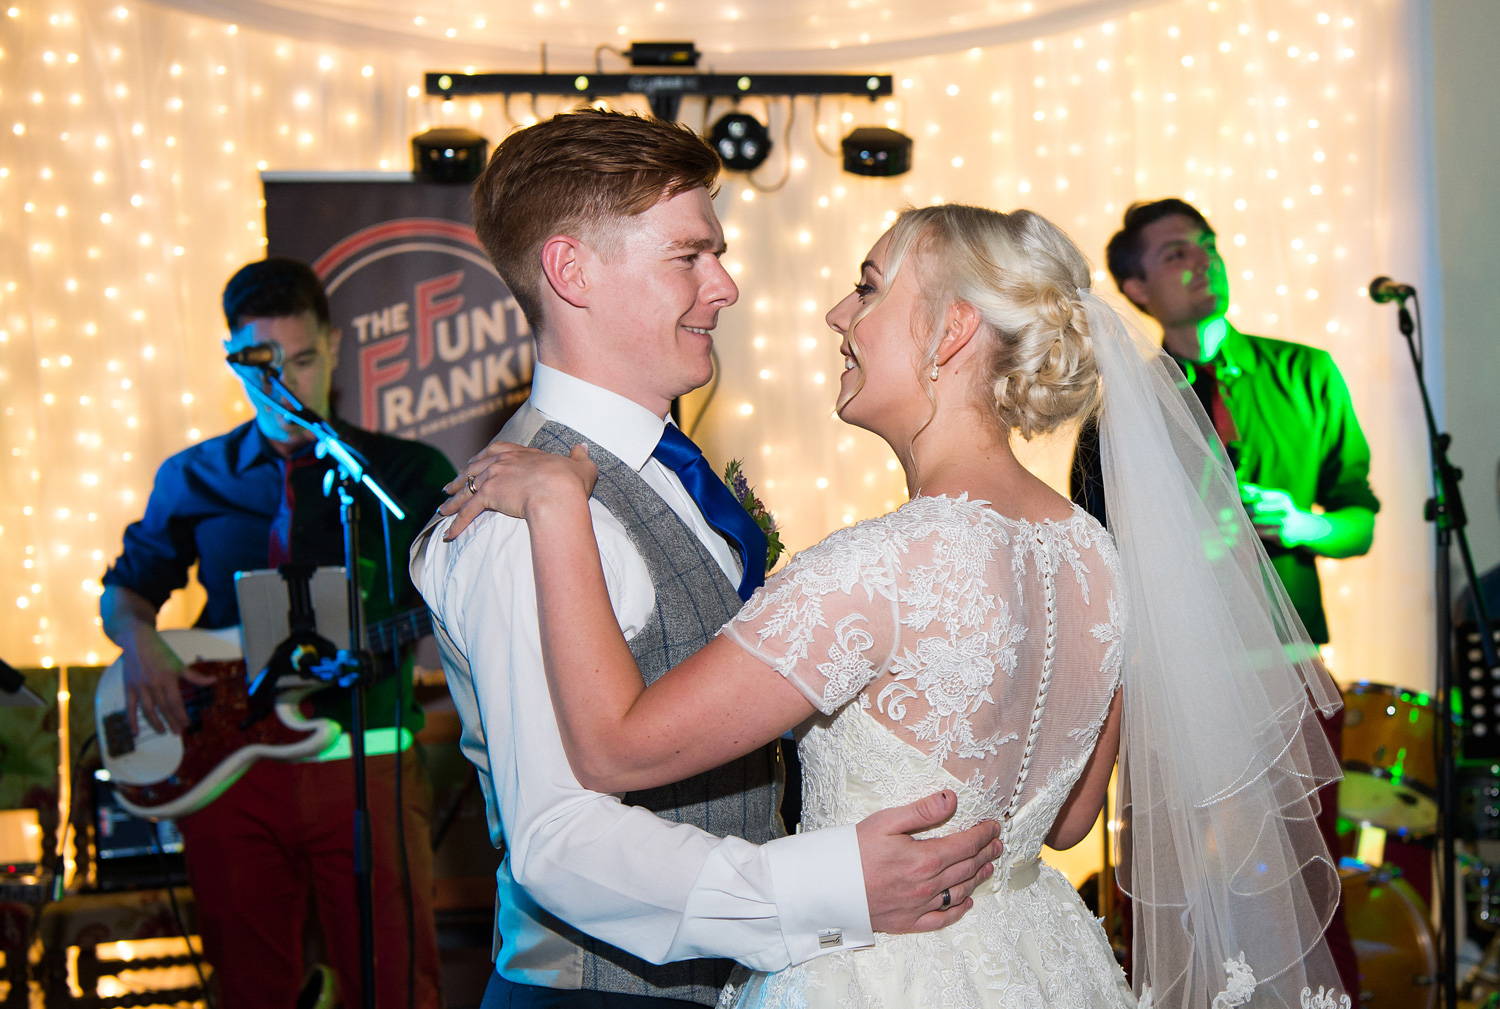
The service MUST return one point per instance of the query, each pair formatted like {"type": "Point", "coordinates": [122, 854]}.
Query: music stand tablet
{"type": "Point", "coordinates": [264, 607]}
{"type": "Point", "coordinates": [22, 697]}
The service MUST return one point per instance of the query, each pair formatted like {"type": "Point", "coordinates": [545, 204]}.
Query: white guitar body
{"type": "Point", "coordinates": [159, 775]}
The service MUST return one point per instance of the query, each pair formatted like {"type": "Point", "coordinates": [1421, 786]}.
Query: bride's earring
{"type": "Point", "coordinates": [934, 374]}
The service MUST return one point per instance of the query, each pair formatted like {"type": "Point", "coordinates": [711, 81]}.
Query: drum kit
{"type": "Point", "coordinates": [1390, 786]}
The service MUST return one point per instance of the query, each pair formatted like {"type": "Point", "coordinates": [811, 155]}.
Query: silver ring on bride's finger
{"type": "Point", "coordinates": [947, 900]}
{"type": "Point", "coordinates": [469, 483]}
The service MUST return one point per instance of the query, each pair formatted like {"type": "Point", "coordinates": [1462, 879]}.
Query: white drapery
{"type": "Point", "coordinates": [129, 193]}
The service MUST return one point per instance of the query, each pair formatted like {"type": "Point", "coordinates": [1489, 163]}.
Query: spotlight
{"type": "Point", "coordinates": [742, 142]}
{"type": "Point", "coordinates": [448, 155]}
{"type": "Point", "coordinates": [875, 150]}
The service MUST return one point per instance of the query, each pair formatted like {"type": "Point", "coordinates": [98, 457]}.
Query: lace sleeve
{"type": "Point", "coordinates": [828, 621]}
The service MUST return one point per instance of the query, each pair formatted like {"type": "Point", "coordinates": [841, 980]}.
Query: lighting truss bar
{"type": "Point", "coordinates": [456, 85]}
{"type": "Point", "coordinates": [664, 91]}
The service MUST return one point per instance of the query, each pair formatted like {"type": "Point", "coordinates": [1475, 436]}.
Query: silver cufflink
{"type": "Point", "coordinates": [830, 938]}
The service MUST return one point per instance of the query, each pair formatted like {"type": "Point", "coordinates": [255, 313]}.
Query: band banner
{"type": "Point", "coordinates": [433, 346]}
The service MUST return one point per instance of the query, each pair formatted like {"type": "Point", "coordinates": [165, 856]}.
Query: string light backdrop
{"type": "Point", "coordinates": [129, 192]}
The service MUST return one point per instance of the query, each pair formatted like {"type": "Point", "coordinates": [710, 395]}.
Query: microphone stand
{"type": "Point", "coordinates": [352, 667]}
{"type": "Point", "coordinates": [1445, 509]}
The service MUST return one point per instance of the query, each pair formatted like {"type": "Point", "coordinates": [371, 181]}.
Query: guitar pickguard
{"type": "Point", "coordinates": [162, 775]}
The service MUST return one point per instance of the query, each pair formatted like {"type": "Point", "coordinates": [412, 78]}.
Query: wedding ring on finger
{"type": "Point", "coordinates": [947, 899]}
{"type": "Point", "coordinates": [469, 483]}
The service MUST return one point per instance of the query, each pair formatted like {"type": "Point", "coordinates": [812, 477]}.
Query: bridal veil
{"type": "Point", "coordinates": [1222, 754]}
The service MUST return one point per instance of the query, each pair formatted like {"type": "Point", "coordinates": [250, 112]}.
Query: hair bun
{"type": "Point", "coordinates": [1043, 371]}
{"type": "Point", "coordinates": [1054, 307]}
{"type": "Point", "coordinates": [1024, 276]}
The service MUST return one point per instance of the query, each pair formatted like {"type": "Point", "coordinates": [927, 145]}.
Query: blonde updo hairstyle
{"type": "Point", "coordinates": [1025, 278]}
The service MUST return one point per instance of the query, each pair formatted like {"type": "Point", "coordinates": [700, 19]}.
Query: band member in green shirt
{"type": "Point", "coordinates": [1281, 409]}
{"type": "Point", "coordinates": [1285, 418]}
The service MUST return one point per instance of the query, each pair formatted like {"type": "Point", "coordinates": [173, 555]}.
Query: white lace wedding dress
{"type": "Point", "coordinates": [948, 646]}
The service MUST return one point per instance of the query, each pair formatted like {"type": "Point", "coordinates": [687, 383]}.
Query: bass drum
{"type": "Point", "coordinates": [1393, 942]}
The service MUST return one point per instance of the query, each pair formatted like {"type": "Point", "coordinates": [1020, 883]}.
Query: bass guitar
{"type": "Point", "coordinates": [164, 775]}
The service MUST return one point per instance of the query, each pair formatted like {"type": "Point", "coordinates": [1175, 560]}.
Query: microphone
{"type": "Point", "coordinates": [258, 355]}
{"type": "Point", "coordinates": [1383, 289]}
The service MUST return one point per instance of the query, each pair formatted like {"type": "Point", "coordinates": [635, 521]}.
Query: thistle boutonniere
{"type": "Point", "coordinates": [734, 478]}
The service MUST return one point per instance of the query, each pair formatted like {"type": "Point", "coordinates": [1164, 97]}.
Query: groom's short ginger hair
{"type": "Point", "coordinates": [578, 174]}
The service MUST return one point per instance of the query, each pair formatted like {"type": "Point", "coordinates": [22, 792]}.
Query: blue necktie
{"type": "Point", "coordinates": [677, 452]}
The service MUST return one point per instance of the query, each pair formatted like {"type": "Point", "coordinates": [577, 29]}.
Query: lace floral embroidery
{"type": "Point", "coordinates": [1113, 635]}
{"type": "Point", "coordinates": [954, 678]}
{"type": "Point", "coordinates": [1239, 987]}
{"type": "Point", "coordinates": [794, 601]}
{"type": "Point", "coordinates": [847, 668]}
{"type": "Point", "coordinates": [1325, 1000]}
{"type": "Point", "coordinates": [917, 606]}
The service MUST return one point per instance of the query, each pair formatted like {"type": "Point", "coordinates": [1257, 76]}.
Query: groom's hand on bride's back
{"type": "Point", "coordinates": [905, 878]}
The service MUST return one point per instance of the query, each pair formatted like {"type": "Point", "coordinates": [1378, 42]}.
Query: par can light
{"type": "Point", "coordinates": [448, 154]}
{"type": "Point", "coordinates": [875, 150]}
{"type": "Point", "coordinates": [742, 142]}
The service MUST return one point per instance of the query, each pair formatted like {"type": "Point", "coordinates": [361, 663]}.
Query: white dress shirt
{"type": "Point", "coordinates": [659, 890]}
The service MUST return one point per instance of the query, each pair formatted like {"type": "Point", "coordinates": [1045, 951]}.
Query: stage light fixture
{"type": "Point", "coordinates": [742, 142]}
{"type": "Point", "coordinates": [663, 54]}
{"type": "Point", "coordinates": [448, 154]}
{"type": "Point", "coordinates": [875, 150]}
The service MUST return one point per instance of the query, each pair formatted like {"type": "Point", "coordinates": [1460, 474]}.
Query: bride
{"type": "Point", "coordinates": [988, 638]}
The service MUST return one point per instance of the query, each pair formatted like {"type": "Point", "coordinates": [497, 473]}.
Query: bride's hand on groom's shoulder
{"type": "Point", "coordinates": [518, 481]}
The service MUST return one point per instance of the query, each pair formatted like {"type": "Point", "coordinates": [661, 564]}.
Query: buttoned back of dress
{"type": "Point", "coordinates": [947, 646]}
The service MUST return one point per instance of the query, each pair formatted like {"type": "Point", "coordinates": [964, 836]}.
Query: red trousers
{"type": "Point", "coordinates": [282, 828]}
{"type": "Point", "coordinates": [1339, 944]}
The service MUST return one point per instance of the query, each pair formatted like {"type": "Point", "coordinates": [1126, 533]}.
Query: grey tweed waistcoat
{"type": "Point", "coordinates": [741, 799]}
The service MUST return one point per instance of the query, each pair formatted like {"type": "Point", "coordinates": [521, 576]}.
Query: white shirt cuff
{"type": "Point", "coordinates": [820, 892]}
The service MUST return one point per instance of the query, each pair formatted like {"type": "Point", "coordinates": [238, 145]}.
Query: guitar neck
{"type": "Point", "coordinates": [402, 629]}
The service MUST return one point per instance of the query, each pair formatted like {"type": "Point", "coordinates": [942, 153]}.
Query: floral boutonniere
{"type": "Point", "coordinates": [734, 478]}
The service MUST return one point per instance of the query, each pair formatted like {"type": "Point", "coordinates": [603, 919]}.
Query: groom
{"type": "Point", "coordinates": [603, 228]}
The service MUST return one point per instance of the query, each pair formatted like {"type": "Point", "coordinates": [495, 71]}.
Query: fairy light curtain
{"type": "Point", "coordinates": [129, 191]}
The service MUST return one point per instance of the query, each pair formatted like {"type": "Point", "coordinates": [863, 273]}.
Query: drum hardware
{"type": "Point", "coordinates": [1369, 845]}
{"type": "Point", "coordinates": [1486, 896]}
{"type": "Point", "coordinates": [1478, 801]}
{"type": "Point", "coordinates": [1482, 984]}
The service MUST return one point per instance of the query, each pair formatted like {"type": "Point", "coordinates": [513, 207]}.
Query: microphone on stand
{"type": "Point", "coordinates": [1384, 289]}
{"type": "Point", "coordinates": [258, 355]}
